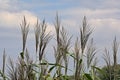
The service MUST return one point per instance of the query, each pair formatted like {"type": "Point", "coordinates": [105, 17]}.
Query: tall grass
{"type": "Point", "coordinates": [111, 66]}
{"type": "Point", "coordinates": [24, 30]}
{"type": "Point", "coordinates": [84, 56]}
{"type": "Point", "coordinates": [107, 59]}
{"type": "Point", "coordinates": [115, 50]}
{"type": "Point", "coordinates": [62, 48]}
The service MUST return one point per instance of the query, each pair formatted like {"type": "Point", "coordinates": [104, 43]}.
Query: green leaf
{"type": "Point", "coordinates": [3, 75]}
{"type": "Point", "coordinates": [49, 78]}
{"type": "Point", "coordinates": [87, 76]}
{"type": "Point", "coordinates": [54, 65]}
{"type": "Point", "coordinates": [72, 55]}
{"type": "Point", "coordinates": [22, 55]}
{"type": "Point", "coordinates": [101, 71]}
{"type": "Point", "coordinates": [80, 61]}
{"type": "Point", "coordinates": [51, 68]}
{"type": "Point", "coordinates": [51, 64]}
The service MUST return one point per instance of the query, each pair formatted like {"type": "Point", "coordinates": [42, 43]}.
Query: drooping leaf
{"type": "Point", "coordinates": [51, 68]}
{"type": "Point", "coordinates": [87, 76]}
{"type": "Point", "coordinates": [22, 55]}
{"type": "Point", "coordinates": [101, 71]}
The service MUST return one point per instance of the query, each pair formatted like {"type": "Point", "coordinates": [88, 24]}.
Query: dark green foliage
{"type": "Point", "coordinates": [106, 72]}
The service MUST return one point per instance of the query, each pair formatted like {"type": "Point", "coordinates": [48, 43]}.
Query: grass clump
{"type": "Point", "coordinates": [83, 55]}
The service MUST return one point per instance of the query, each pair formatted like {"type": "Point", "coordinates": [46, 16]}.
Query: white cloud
{"type": "Point", "coordinates": [69, 22]}
{"type": "Point", "coordinates": [8, 4]}
{"type": "Point", "coordinates": [98, 17]}
{"type": "Point", "coordinates": [109, 23]}
{"type": "Point", "coordinates": [4, 4]}
{"type": "Point", "coordinates": [93, 13]}
{"type": "Point", "coordinates": [13, 19]}
{"type": "Point", "coordinates": [112, 3]}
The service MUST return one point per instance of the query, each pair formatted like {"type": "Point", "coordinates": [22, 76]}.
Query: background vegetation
{"type": "Point", "coordinates": [83, 53]}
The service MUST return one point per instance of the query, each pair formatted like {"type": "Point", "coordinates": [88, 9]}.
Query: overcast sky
{"type": "Point", "coordinates": [102, 15]}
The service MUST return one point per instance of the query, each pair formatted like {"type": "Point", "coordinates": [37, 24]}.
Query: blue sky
{"type": "Point", "coordinates": [102, 15]}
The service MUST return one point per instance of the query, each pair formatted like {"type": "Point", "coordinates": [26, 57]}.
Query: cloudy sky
{"type": "Point", "coordinates": [102, 15]}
